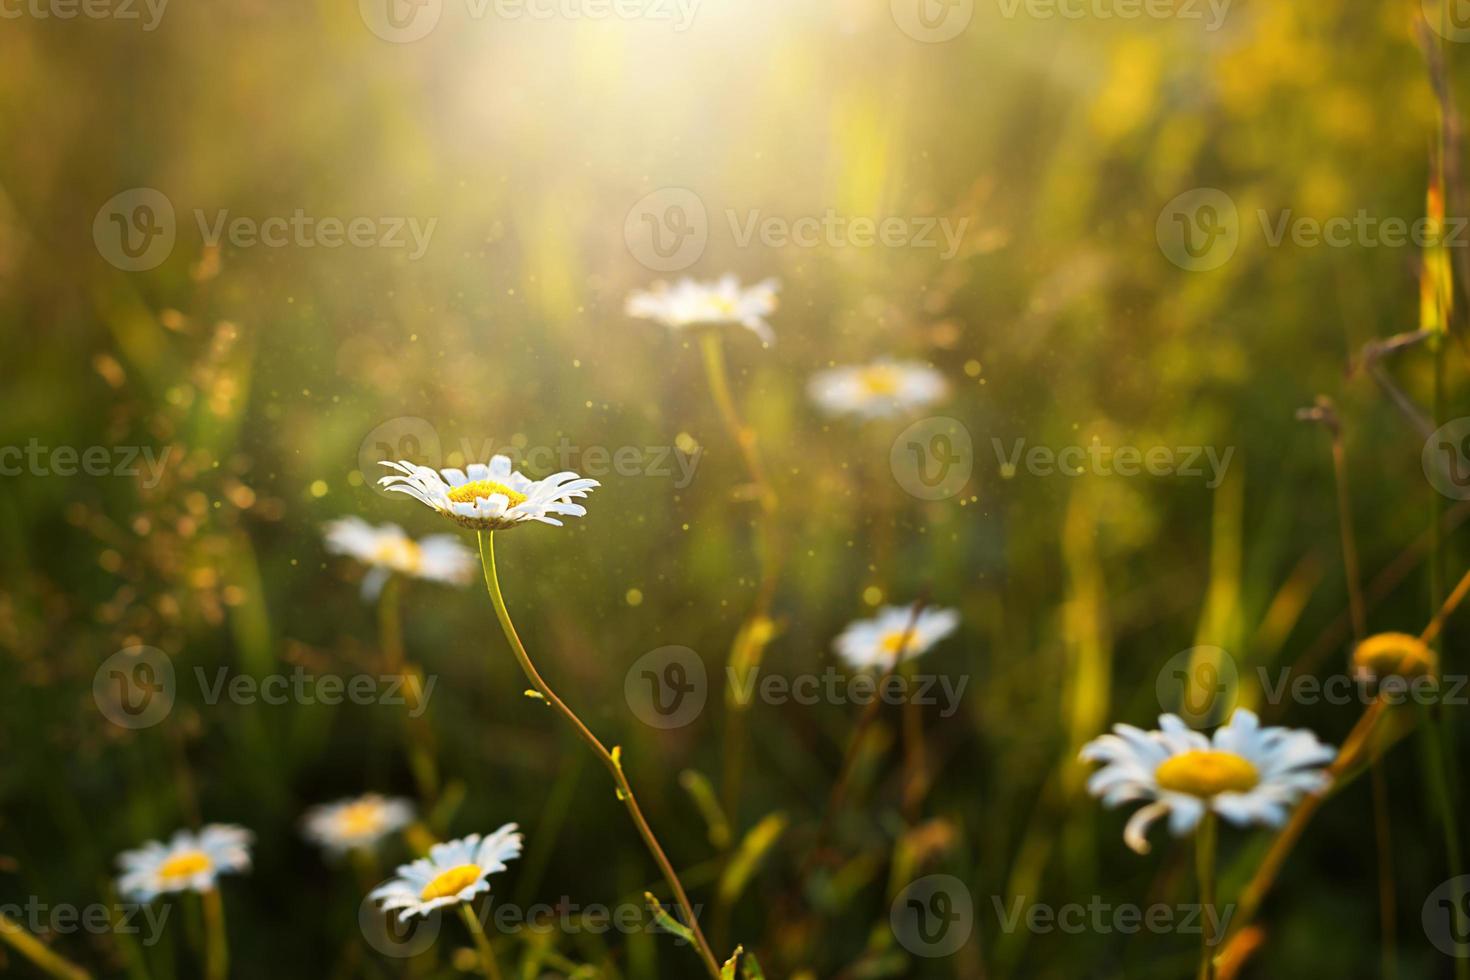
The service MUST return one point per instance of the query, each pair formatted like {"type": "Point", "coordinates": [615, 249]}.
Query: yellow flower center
{"type": "Point", "coordinates": [451, 882]}
{"type": "Point", "coordinates": [360, 819]}
{"type": "Point", "coordinates": [402, 554]}
{"type": "Point", "coordinates": [1390, 654]}
{"type": "Point", "coordinates": [879, 380]}
{"type": "Point", "coordinates": [185, 865]}
{"type": "Point", "coordinates": [468, 493]}
{"type": "Point", "coordinates": [1206, 772]}
{"type": "Point", "coordinates": [893, 642]}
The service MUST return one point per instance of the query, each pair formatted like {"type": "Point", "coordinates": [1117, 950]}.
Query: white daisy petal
{"type": "Point", "coordinates": [1247, 774]}
{"type": "Point", "coordinates": [190, 861]}
{"type": "Point", "coordinates": [882, 389]}
{"type": "Point", "coordinates": [689, 303]}
{"type": "Point", "coordinates": [454, 872]}
{"type": "Point", "coordinates": [490, 496]}
{"type": "Point", "coordinates": [878, 642]}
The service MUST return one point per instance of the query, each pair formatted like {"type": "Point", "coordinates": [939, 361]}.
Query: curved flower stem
{"type": "Point", "coordinates": [482, 942]}
{"type": "Point", "coordinates": [609, 760]}
{"type": "Point", "coordinates": [216, 944]}
{"type": "Point", "coordinates": [48, 962]}
{"type": "Point", "coordinates": [1204, 843]}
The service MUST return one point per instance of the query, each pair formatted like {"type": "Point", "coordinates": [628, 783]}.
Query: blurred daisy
{"type": "Point", "coordinates": [689, 302]}
{"type": "Point", "coordinates": [453, 872]}
{"type": "Point", "coordinates": [387, 549]}
{"type": "Point", "coordinates": [490, 497]}
{"type": "Point", "coordinates": [189, 862]}
{"type": "Point", "coordinates": [878, 390]}
{"type": "Point", "coordinates": [356, 824]}
{"type": "Point", "coordinates": [1247, 774]}
{"type": "Point", "coordinates": [877, 642]}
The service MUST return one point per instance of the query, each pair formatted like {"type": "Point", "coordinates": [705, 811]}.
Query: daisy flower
{"type": "Point", "coordinates": [1247, 774]}
{"type": "Point", "coordinates": [490, 497]}
{"type": "Point", "coordinates": [881, 389]}
{"type": "Point", "coordinates": [689, 302]}
{"type": "Point", "coordinates": [877, 642]}
{"type": "Point", "coordinates": [356, 824]}
{"type": "Point", "coordinates": [387, 549]}
{"type": "Point", "coordinates": [453, 872]}
{"type": "Point", "coordinates": [189, 862]}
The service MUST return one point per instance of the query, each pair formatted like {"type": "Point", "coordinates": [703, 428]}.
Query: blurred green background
{"type": "Point", "coordinates": [1060, 320]}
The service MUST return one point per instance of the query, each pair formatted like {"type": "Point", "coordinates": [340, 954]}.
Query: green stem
{"type": "Point", "coordinates": [216, 943]}
{"type": "Point", "coordinates": [38, 952]}
{"type": "Point", "coordinates": [608, 759]}
{"type": "Point", "coordinates": [416, 726]}
{"type": "Point", "coordinates": [744, 437]}
{"type": "Point", "coordinates": [482, 942]}
{"type": "Point", "coordinates": [1204, 842]}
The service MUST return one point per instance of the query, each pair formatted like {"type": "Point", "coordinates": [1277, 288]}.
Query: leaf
{"type": "Point", "coordinates": [666, 921]}
{"type": "Point", "coordinates": [727, 972]}
{"type": "Point", "coordinates": [750, 968]}
{"type": "Point", "coordinates": [699, 788]}
{"type": "Point", "coordinates": [761, 838]}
